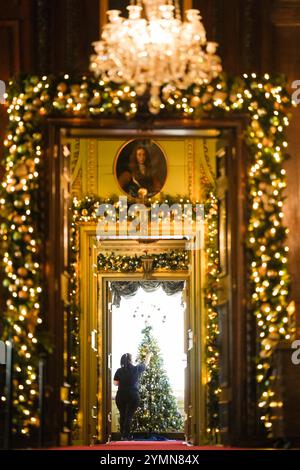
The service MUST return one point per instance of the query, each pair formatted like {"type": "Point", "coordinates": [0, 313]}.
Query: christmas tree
{"type": "Point", "coordinates": [158, 411]}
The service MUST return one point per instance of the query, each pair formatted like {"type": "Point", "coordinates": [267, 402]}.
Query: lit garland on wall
{"type": "Point", "coordinates": [74, 327]}
{"type": "Point", "coordinates": [32, 99]}
{"type": "Point", "coordinates": [212, 327]}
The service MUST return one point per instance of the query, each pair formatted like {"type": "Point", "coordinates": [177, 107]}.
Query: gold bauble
{"type": "Point", "coordinates": [22, 272]}
{"type": "Point", "coordinates": [20, 130]}
{"type": "Point", "coordinates": [45, 97]}
{"type": "Point", "coordinates": [205, 97]}
{"type": "Point", "coordinates": [274, 336]}
{"type": "Point", "coordinates": [75, 90]}
{"type": "Point", "coordinates": [195, 101]}
{"type": "Point", "coordinates": [18, 204]}
{"type": "Point", "coordinates": [255, 124]}
{"type": "Point", "coordinates": [62, 87]}
{"type": "Point", "coordinates": [23, 294]}
{"type": "Point", "coordinates": [267, 142]}
{"type": "Point", "coordinates": [17, 219]}
{"type": "Point", "coordinates": [27, 116]}
{"type": "Point", "coordinates": [21, 171]}
{"type": "Point", "coordinates": [30, 164]}
{"type": "Point", "coordinates": [37, 102]}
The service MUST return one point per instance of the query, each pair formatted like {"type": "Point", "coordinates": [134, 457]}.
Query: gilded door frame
{"type": "Point", "coordinates": [243, 414]}
{"type": "Point", "coordinates": [94, 313]}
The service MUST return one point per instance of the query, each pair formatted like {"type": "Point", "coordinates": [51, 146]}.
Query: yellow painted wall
{"type": "Point", "coordinates": [189, 167]}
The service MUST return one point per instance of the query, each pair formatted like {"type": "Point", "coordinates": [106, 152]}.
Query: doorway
{"type": "Point", "coordinates": [151, 315]}
{"type": "Point", "coordinates": [96, 335]}
{"type": "Point", "coordinates": [95, 398]}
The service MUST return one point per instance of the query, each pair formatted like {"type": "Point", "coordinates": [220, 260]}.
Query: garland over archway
{"type": "Point", "coordinates": [32, 98]}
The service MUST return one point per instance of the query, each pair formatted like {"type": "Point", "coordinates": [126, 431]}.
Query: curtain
{"type": "Point", "coordinates": [128, 289]}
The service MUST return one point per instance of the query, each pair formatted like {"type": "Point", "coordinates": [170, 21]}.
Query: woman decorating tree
{"type": "Point", "coordinates": [128, 397]}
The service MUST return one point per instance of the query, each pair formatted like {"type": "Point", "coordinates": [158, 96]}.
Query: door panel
{"type": "Point", "coordinates": [108, 411]}
{"type": "Point", "coordinates": [93, 355]}
{"type": "Point", "coordinates": [188, 346]}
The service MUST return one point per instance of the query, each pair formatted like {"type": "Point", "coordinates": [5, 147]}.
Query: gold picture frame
{"type": "Point", "coordinates": [144, 179]}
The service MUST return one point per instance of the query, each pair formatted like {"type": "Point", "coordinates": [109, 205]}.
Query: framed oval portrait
{"type": "Point", "coordinates": [141, 168]}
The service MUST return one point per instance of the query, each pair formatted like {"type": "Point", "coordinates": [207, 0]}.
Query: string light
{"type": "Point", "coordinates": [211, 300]}
{"type": "Point", "coordinates": [267, 102]}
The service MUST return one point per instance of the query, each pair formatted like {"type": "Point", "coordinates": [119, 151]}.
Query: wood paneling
{"type": "Point", "coordinates": [286, 415]}
{"type": "Point", "coordinates": [16, 52]}
{"type": "Point", "coordinates": [103, 7]}
{"type": "Point", "coordinates": [10, 48]}
{"type": "Point", "coordinates": [285, 18]}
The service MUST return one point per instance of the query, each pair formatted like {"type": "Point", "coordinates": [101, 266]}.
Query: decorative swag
{"type": "Point", "coordinates": [128, 289]}
{"type": "Point", "coordinates": [30, 101]}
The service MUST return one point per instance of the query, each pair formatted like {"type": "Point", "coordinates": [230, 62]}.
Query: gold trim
{"type": "Point", "coordinates": [89, 312]}
{"type": "Point", "coordinates": [187, 4]}
{"type": "Point", "coordinates": [190, 166]}
{"type": "Point", "coordinates": [103, 7]}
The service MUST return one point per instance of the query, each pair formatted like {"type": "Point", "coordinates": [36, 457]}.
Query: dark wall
{"type": "Point", "coordinates": [42, 36]}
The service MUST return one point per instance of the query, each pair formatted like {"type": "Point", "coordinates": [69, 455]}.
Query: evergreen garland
{"type": "Point", "coordinates": [30, 99]}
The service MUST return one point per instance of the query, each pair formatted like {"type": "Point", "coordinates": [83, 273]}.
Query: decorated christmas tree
{"type": "Point", "coordinates": [158, 411]}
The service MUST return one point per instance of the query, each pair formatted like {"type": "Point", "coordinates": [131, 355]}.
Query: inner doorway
{"type": "Point", "coordinates": [151, 315]}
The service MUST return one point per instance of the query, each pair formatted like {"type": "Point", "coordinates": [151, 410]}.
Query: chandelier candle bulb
{"type": "Point", "coordinates": [154, 47]}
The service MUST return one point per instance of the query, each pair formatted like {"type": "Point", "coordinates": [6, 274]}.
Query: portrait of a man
{"type": "Point", "coordinates": [141, 168]}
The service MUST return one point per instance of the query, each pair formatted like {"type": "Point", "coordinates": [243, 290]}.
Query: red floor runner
{"type": "Point", "coordinates": [147, 445]}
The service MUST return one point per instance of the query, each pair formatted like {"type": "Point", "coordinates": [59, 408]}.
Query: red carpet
{"type": "Point", "coordinates": [147, 445]}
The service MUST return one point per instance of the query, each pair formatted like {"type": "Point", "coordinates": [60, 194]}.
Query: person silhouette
{"type": "Point", "coordinates": [126, 379]}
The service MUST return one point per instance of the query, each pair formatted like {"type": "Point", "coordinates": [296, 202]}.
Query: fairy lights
{"type": "Point", "coordinates": [30, 100]}
{"type": "Point", "coordinates": [212, 327]}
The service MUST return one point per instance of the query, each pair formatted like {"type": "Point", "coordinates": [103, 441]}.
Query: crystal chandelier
{"type": "Point", "coordinates": [154, 47]}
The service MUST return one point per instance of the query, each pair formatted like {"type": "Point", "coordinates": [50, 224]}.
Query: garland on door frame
{"type": "Point", "coordinates": [176, 260]}
{"type": "Point", "coordinates": [31, 99]}
{"type": "Point", "coordinates": [84, 211]}
{"type": "Point", "coordinates": [212, 326]}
